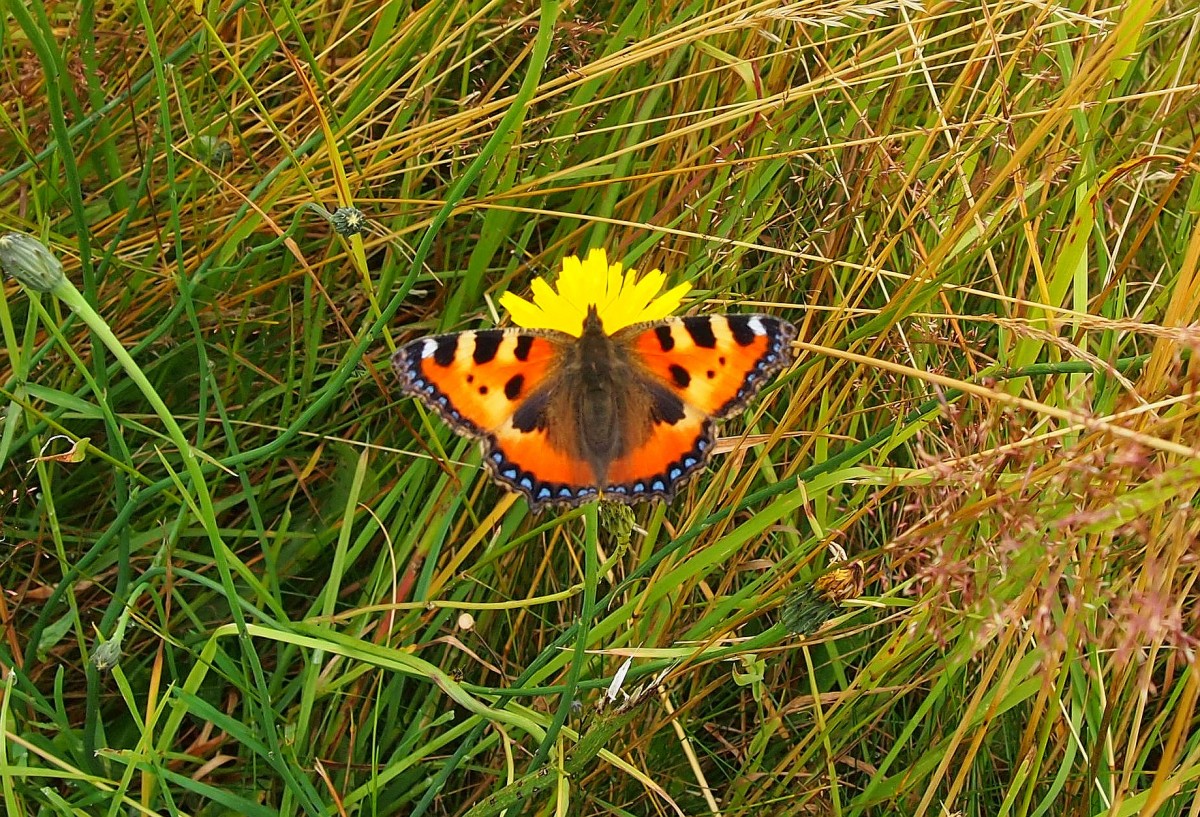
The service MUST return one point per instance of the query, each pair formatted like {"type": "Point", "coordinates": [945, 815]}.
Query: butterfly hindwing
{"type": "Point", "coordinates": [531, 462]}
{"type": "Point", "coordinates": [477, 380]}
{"type": "Point", "coordinates": [715, 363]}
{"type": "Point", "coordinates": [675, 445]}
{"type": "Point", "coordinates": [548, 434]}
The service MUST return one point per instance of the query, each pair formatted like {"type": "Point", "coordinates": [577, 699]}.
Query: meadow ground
{"type": "Point", "coordinates": [242, 574]}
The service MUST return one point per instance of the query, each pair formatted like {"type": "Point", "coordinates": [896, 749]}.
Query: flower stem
{"type": "Point", "coordinates": [66, 292]}
{"type": "Point", "coordinates": [72, 297]}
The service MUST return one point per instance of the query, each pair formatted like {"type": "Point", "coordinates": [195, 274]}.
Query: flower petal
{"type": "Point", "coordinates": [594, 279]}
{"type": "Point", "coordinates": [620, 298]}
{"type": "Point", "coordinates": [572, 283]}
{"type": "Point", "coordinates": [643, 291]}
{"type": "Point", "coordinates": [522, 311]}
{"type": "Point", "coordinates": [665, 304]}
{"type": "Point", "coordinates": [614, 287]}
{"type": "Point", "coordinates": [543, 295]}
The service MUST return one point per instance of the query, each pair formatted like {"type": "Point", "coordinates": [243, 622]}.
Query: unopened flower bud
{"type": "Point", "coordinates": [618, 520]}
{"type": "Point", "coordinates": [107, 654]}
{"type": "Point", "coordinates": [27, 259]}
{"type": "Point", "coordinates": [345, 220]}
{"type": "Point", "coordinates": [814, 603]}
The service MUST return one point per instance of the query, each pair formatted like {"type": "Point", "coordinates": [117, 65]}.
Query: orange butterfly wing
{"type": "Point", "coordinates": [478, 381]}
{"type": "Point", "coordinates": [505, 386]}
{"type": "Point", "coordinates": [713, 365]}
{"type": "Point", "coordinates": [475, 380]}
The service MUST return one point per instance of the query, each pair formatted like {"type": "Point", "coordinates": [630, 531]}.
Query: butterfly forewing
{"type": "Point", "coordinates": [477, 380]}
{"type": "Point", "coordinates": [715, 363]}
{"type": "Point", "coordinates": [696, 369]}
{"type": "Point", "coordinates": [493, 384]}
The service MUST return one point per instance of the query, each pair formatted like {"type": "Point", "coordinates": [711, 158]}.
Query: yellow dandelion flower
{"type": "Point", "coordinates": [619, 297]}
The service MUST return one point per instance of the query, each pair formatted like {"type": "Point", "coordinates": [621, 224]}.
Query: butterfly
{"type": "Point", "coordinates": [627, 416]}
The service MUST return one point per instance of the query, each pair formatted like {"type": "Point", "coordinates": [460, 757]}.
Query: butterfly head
{"type": "Point", "coordinates": [593, 324]}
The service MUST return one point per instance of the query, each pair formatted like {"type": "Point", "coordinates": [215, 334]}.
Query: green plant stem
{"type": "Point", "coordinates": [72, 297]}
{"type": "Point", "coordinates": [591, 575]}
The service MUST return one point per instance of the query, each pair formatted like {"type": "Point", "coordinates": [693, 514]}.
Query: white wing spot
{"type": "Point", "coordinates": [756, 326]}
{"type": "Point", "coordinates": [428, 348]}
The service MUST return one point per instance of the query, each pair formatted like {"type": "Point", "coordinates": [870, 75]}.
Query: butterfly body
{"type": "Point", "coordinates": [564, 418]}
{"type": "Point", "coordinates": [591, 395]}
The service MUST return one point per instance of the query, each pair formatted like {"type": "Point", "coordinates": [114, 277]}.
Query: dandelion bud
{"type": "Point", "coordinates": [345, 220]}
{"type": "Point", "coordinates": [814, 603]}
{"type": "Point", "coordinates": [107, 654]}
{"type": "Point", "coordinates": [27, 259]}
{"type": "Point", "coordinates": [214, 151]}
{"type": "Point", "coordinates": [618, 521]}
